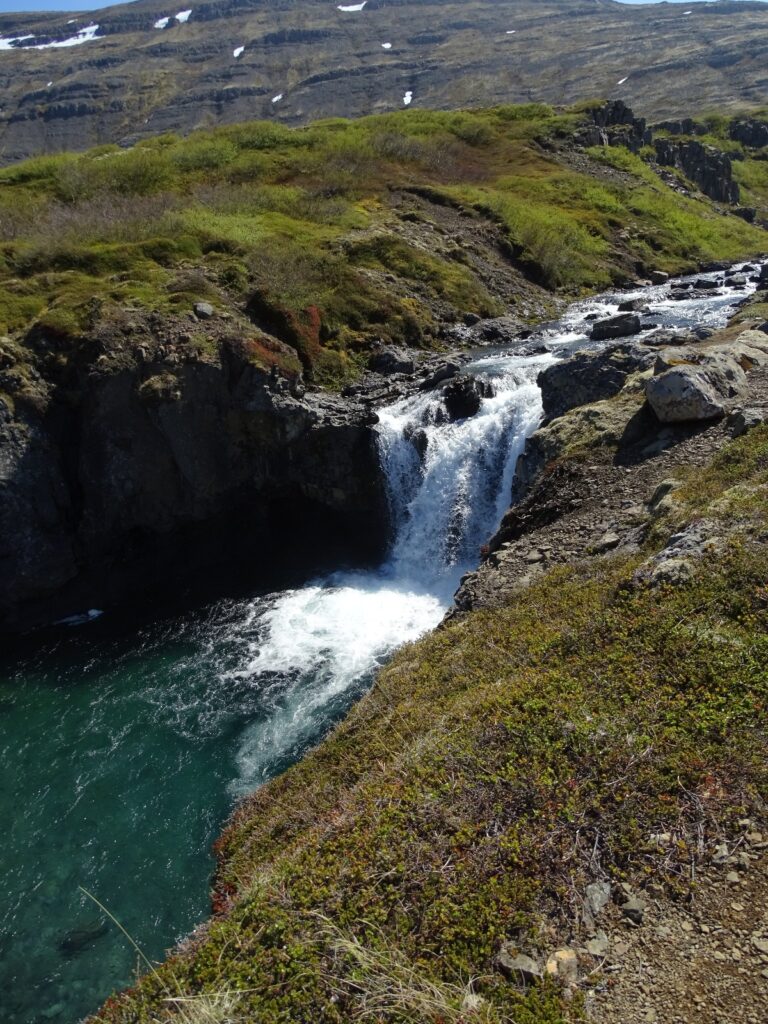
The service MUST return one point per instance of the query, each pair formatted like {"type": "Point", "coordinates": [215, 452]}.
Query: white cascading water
{"type": "Point", "coordinates": [312, 651]}
{"type": "Point", "coordinates": [317, 646]}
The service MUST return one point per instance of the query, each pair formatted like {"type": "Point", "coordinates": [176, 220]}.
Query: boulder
{"type": "Point", "coordinates": [659, 277]}
{"type": "Point", "coordinates": [391, 360]}
{"type": "Point", "coordinates": [666, 337]}
{"type": "Point", "coordinates": [741, 421]}
{"type": "Point", "coordinates": [464, 396]}
{"type": "Point", "coordinates": [589, 377]}
{"type": "Point", "coordinates": [204, 310]}
{"type": "Point", "coordinates": [445, 371]}
{"type": "Point", "coordinates": [692, 392]}
{"type": "Point", "coordinates": [621, 326]}
{"type": "Point", "coordinates": [633, 306]}
{"type": "Point", "coordinates": [704, 284]}
{"type": "Point", "coordinates": [518, 966]}
{"type": "Point", "coordinates": [763, 276]}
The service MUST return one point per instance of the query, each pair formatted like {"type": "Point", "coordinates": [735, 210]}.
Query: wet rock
{"type": "Point", "coordinates": [518, 967]}
{"type": "Point", "coordinates": [464, 396]}
{"type": "Point", "coordinates": [737, 280]}
{"type": "Point", "coordinates": [633, 306]}
{"type": "Point", "coordinates": [659, 277]}
{"type": "Point", "coordinates": [445, 371]}
{"type": "Point", "coordinates": [391, 360]}
{"type": "Point", "coordinates": [204, 310]}
{"type": "Point", "coordinates": [621, 326]}
{"type": "Point", "coordinates": [420, 441]}
{"type": "Point", "coordinates": [704, 284]}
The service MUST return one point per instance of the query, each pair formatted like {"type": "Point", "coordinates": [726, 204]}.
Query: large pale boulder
{"type": "Point", "coordinates": [691, 392]}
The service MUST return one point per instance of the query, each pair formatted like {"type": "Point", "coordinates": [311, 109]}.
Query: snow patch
{"type": "Point", "coordinates": [8, 44]}
{"type": "Point", "coordinates": [621, 81]}
{"type": "Point", "coordinates": [386, 46]}
{"type": "Point", "coordinates": [511, 31]}
{"type": "Point", "coordinates": [162, 23]}
{"type": "Point", "coordinates": [236, 52]}
{"type": "Point", "coordinates": [408, 99]}
{"type": "Point", "coordinates": [276, 99]}
{"type": "Point", "coordinates": [85, 35]}
{"type": "Point", "coordinates": [48, 85]}
{"type": "Point", "coordinates": [349, 8]}
{"type": "Point", "coordinates": [183, 16]}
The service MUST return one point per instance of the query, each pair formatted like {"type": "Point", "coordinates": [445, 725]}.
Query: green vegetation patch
{"type": "Point", "coordinates": [299, 226]}
{"type": "Point", "coordinates": [496, 768]}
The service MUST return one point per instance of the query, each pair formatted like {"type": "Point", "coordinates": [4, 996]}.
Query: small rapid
{"type": "Point", "coordinates": [121, 754]}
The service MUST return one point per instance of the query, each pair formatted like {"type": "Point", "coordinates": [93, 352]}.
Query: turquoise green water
{"type": "Point", "coordinates": [119, 760]}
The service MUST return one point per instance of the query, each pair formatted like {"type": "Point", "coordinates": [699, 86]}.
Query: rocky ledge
{"type": "Point", "coordinates": [600, 472]}
{"type": "Point", "coordinates": [170, 459]}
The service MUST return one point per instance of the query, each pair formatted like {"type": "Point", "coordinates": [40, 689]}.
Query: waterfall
{"type": "Point", "coordinates": [311, 652]}
{"type": "Point", "coordinates": [314, 649]}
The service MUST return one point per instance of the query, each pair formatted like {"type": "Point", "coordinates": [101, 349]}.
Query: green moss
{"type": "Point", "coordinates": [493, 765]}
{"type": "Point", "coordinates": [290, 220]}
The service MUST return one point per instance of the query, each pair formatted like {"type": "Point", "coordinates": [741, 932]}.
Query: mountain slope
{"type": "Point", "coordinates": [67, 85]}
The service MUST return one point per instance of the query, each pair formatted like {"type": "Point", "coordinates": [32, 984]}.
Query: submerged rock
{"type": "Point", "coordinates": [76, 940]}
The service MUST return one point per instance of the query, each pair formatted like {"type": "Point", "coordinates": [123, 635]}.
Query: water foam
{"type": "Point", "coordinates": [314, 649]}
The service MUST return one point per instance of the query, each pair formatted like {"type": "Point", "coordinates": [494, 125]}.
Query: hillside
{"type": "Point", "coordinates": [173, 313]}
{"type": "Point", "coordinates": [142, 69]}
{"type": "Point", "coordinates": [572, 774]}
{"type": "Point", "coordinates": [205, 346]}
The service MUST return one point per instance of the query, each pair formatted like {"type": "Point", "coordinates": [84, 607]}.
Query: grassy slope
{"type": "Point", "coordinates": [296, 227]}
{"type": "Point", "coordinates": [497, 767]}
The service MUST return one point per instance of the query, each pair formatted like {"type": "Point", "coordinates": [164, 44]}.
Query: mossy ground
{"type": "Point", "coordinates": [496, 767]}
{"type": "Point", "coordinates": [295, 228]}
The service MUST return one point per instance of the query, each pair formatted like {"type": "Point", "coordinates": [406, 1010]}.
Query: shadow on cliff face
{"type": "Point", "coordinates": [199, 479]}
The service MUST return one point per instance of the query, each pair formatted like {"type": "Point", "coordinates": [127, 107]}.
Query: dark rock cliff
{"type": "Point", "coordinates": [150, 469]}
{"type": "Point", "coordinates": [704, 165]}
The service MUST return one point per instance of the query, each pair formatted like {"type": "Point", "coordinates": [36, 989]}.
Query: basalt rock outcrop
{"type": "Point", "coordinates": [124, 475]}
{"type": "Point", "coordinates": [144, 71]}
{"type": "Point", "coordinates": [705, 166]}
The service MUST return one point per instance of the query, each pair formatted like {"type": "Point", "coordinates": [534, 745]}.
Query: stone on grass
{"type": "Point", "coordinates": [203, 310]}
{"type": "Point", "coordinates": [564, 967]}
{"type": "Point", "coordinates": [518, 966]}
{"type": "Point", "coordinates": [741, 421]}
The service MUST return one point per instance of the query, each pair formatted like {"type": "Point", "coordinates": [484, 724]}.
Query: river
{"type": "Point", "coordinates": [122, 751]}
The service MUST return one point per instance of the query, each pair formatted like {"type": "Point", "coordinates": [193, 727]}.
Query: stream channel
{"type": "Point", "coordinates": [122, 751]}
